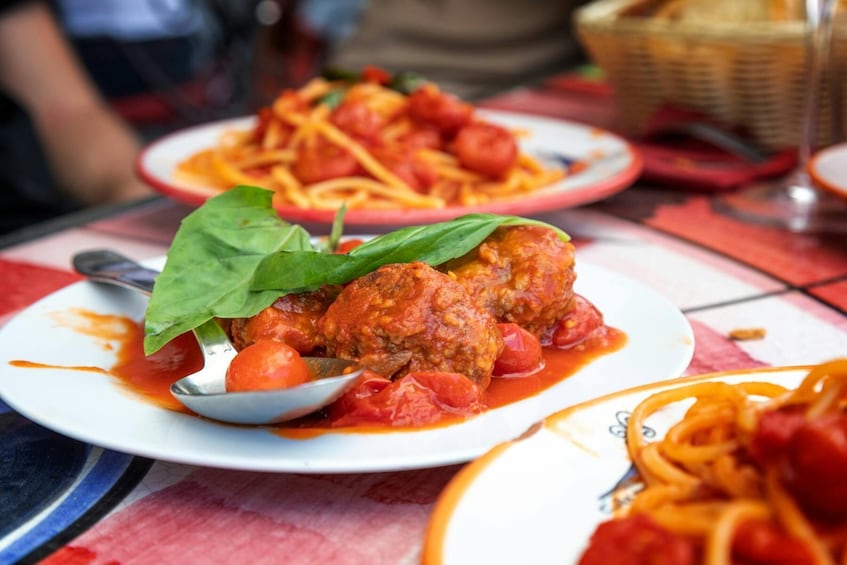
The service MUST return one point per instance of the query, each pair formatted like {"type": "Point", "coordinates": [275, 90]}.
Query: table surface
{"type": "Point", "coordinates": [723, 274]}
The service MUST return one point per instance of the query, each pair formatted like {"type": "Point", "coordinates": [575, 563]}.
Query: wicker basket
{"type": "Point", "coordinates": [748, 74]}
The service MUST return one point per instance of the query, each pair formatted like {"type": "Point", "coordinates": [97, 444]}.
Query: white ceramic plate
{"type": "Point", "coordinates": [547, 492]}
{"type": "Point", "coordinates": [94, 408]}
{"type": "Point", "coordinates": [828, 168]}
{"type": "Point", "coordinates": [611, 165]}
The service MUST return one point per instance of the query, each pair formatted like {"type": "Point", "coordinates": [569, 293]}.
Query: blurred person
{"type": "Point", "coordinates": [164, 64]}
{"type": "Point", "coordinates": [61, 146]}
{"type": "Point", "coordinates": [471, 48]}
{"type": "Point", "coordinates": [128, 47]}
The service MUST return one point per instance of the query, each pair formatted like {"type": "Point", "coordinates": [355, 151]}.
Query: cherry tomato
{"type": "Point", "coordinates": [415, 172]}
{"type": "Point", "coordinates": [427, 105]}
{"type": "Point", "coordinates": [758, 541]}
{"type": "Point", "coordinates": [773, 432]}
{"type": "Point", "coordinates": [266, 365]}
{"type": "Point", "coordinates": [583, 321]}
{"type": "Point", "coordinates": [423, 137]}
{"type": "Point", "coordinates": [637, 540]}
{"type": "Point", "coordinates": [521, 352]}
{"type": "Point", "coordinates": [816, 466]}
{"type": "Point", "coordinates": [487, 149]}
{"type": "Point", "coordinates": [375, 74]}
{"type": "Point", "coordinates": [323, 161]}
{"type": "Point", "coordinates": [358, 121]}
{"type": "Point", "coordinates": [348, 245]}
{"type": "Point", "coordinates": [263, 120]}
{"type": "Point", "coordinates": [416, 399]}
{"type": "Point", "coordinates": [290, 320]}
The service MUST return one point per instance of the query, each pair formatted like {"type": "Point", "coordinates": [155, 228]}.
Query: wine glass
{"type": "Point", "coordinates": [793, 202]}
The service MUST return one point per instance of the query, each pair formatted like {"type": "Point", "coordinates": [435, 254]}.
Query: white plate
{"type": "Point", "coordinates": [93, 408]}
{"type": "Point", "coordinates": [548, 491]}
{"type": "Point", "coordinates": [828, 168]}
{"type": "Point", "coordinates": [611, 165]}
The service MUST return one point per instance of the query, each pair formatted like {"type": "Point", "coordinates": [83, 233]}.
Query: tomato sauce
{"type": "Point", "coordinates": [558, 365]}
{"type": "Point", "coordinates": [150, 377]}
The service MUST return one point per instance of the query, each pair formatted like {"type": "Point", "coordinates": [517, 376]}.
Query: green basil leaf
{"type": "Point", "coordinates": [234, 256]}
{"type": "Point", "coordinates": [341, 74]}
{"type": "Point", "coordinates": [331, 243]}
{"type": "Point", "coordinates": [406, 82]}
{"type": "Point", "coordinates": [332, 98]}
{"type": "Point", "coordinates": [211, 261]}
{"type": "Point", "coordinates": [299, 271]}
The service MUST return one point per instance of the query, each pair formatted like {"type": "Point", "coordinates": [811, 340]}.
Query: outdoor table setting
{"type": "Point", "coordinates": [92, 472]}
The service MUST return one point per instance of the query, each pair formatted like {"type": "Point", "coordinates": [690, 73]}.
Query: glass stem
{"type": "Point", "coordinates": [819, 15]}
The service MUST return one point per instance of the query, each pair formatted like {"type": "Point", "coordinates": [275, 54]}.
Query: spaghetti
{"type": "Point", "coordinates": [753, 473]}
{"type": "Point", "coordinates": [368, 145]}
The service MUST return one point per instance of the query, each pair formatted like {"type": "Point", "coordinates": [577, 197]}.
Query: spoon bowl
{"type": "Point", "coordinates": [204, 392]}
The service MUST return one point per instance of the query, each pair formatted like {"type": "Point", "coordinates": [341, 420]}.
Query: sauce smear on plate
{"type": "Point", "coordinates": [150, 377]}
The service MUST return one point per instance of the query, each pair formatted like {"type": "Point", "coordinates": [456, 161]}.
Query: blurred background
{"type": "Point", "coordinates": [120, 74]}
{"type": "Point", "coordinates": [166, 64]}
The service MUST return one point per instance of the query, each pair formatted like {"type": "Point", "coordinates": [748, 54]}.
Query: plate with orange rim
{"type": "Point", "coordinates": [828, 169]}
{"type": "Point", "coordinates": [546, 492]}
{"type": "Point", "coordinates": [57, 374]}
{"type": "Point", "coordinates": [602, 162]}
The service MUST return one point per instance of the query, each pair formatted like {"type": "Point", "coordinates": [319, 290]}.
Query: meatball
{"type": "Point", "coordinates": [409, 317]}
{"type": "Point", "coordinates": [291, 319]}
{"type": "Point", "coordinates": [520, 274]}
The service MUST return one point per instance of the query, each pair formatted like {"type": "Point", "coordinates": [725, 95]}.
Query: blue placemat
{"type": "Point", "coordinates": [52, 488]}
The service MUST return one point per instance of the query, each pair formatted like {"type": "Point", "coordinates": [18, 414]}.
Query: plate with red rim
{"type": "Point", "coordinates": [544, 493]}
{"type": "Point", "coordinates": [828, 169]}
{"type": "Point", "coordinates": [607, 164]}
{"type": "Point", "coordinates": [70, 391]}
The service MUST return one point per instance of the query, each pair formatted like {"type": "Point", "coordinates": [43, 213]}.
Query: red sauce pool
{"type": "Point", "coordinates": [150, 377]}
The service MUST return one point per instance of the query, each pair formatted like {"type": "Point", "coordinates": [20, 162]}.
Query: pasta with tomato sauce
{"type": "Point", "coordinates": [753, 473]}
{"type": "Point", "coordinates": [366, 144]}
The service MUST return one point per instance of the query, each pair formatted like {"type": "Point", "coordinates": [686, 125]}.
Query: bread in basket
{"type": "Point", "coordinates": [741, 61]}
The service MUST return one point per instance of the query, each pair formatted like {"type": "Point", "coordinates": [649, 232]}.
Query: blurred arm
{"type": "Point", "coordinates": [90, 148]}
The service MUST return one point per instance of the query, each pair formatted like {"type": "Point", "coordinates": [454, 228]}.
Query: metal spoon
{"type": "Point", "coordinates": [204, 392]}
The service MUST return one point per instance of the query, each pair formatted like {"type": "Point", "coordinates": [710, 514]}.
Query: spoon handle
{"type": "Point", "coordinates": [106, 266]}
{"type": "Point", "coordinates": [103, 265]}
